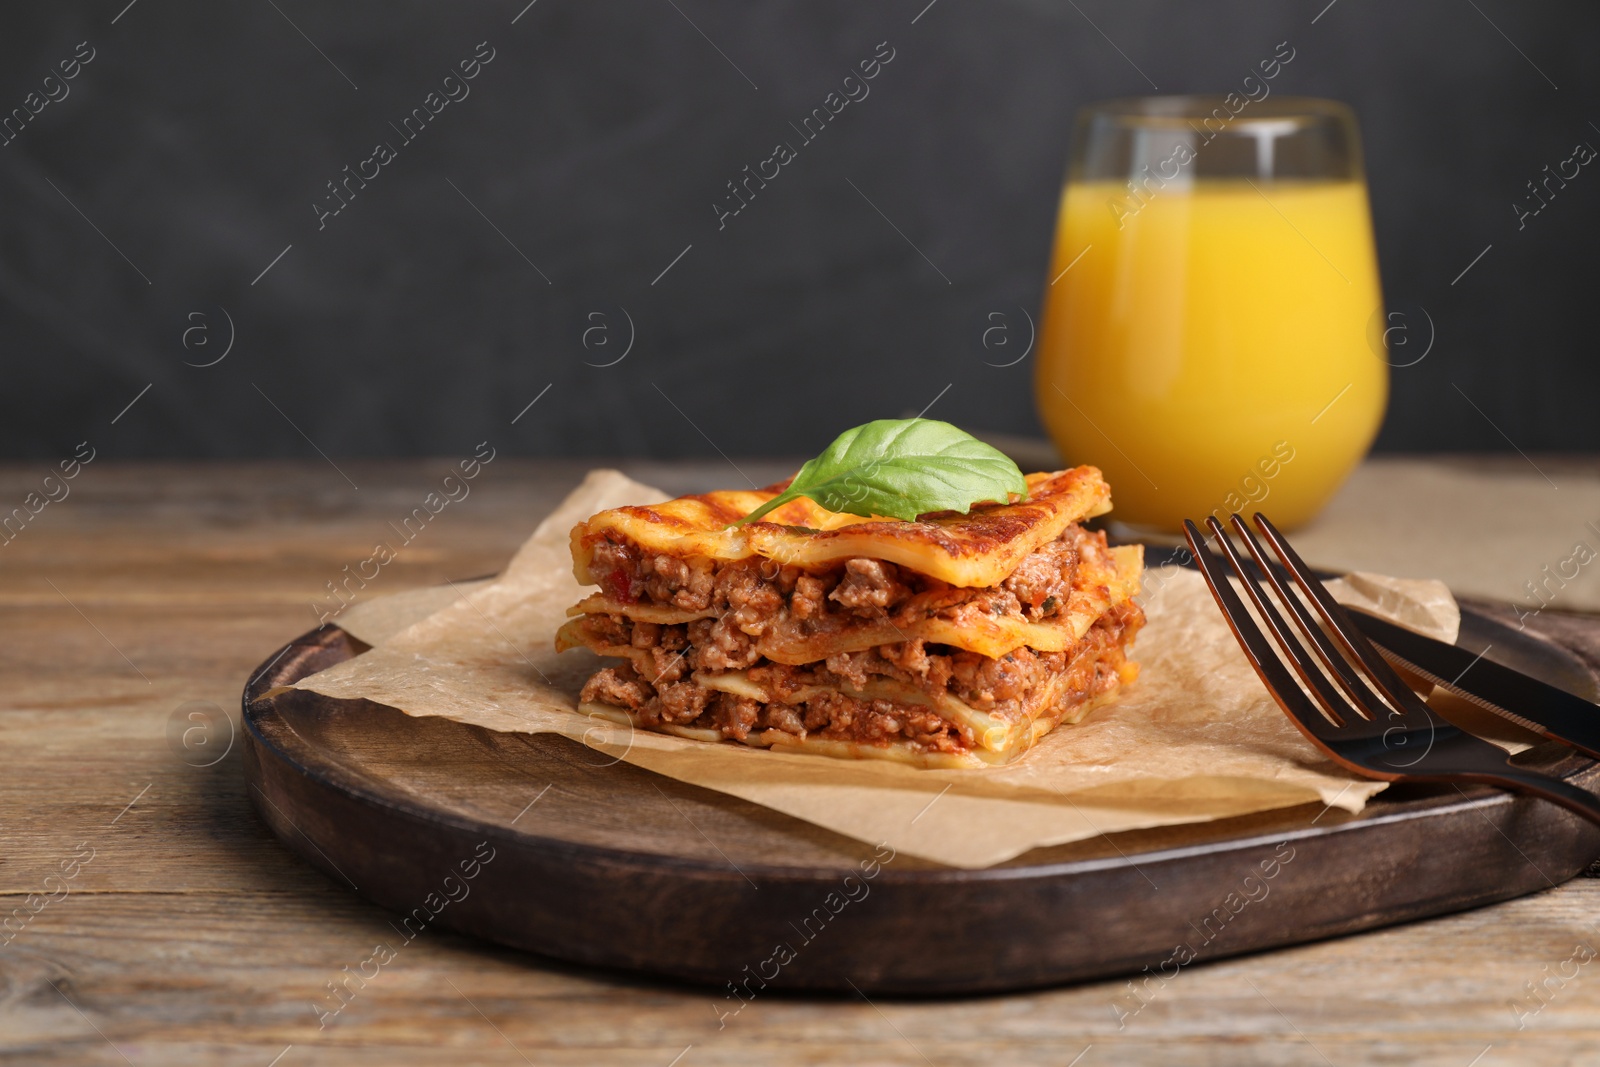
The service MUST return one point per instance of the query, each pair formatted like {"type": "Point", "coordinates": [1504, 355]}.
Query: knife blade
{"type": "Point", "coordinates": [1540, 706]}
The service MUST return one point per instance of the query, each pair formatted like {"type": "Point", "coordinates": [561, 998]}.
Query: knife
{"type": "Point", "coordinates": [1541, 707]}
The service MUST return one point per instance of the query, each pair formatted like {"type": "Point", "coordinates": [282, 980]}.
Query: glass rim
{"type": "Point", "coordinates": [1183, 108]}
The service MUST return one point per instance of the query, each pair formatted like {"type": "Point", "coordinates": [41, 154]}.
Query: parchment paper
{"type": "Point", "coordinates": [1196, 738]}
{"type": "Point", "coordinates": [375, 621]}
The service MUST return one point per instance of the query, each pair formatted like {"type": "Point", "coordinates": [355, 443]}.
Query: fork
{"type": "Point", "coordinates": [1372, 723]}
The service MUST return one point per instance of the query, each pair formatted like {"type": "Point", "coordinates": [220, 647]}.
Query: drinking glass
{"type": "Point", "coordinates": [1206, 337]}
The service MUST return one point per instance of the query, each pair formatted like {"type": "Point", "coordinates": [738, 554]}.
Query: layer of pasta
{"type": "Point", "coordinates": [848, 636]}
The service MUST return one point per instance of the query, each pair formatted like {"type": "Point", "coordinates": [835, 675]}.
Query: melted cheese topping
{"type": "Point", "coordinates": [975, 550]}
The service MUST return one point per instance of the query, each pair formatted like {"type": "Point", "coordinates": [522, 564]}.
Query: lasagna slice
{"type": "Point", "coordinates": [954, 640]}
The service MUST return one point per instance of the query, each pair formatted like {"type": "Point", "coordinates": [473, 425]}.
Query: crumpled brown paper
{"type": "Point", "coordinates": [1196, 738]}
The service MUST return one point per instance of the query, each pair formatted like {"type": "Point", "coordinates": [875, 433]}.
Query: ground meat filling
{"type": "Point", "coordinates": [1023, 686]}
{"type": "Point", "coordinates": [756, 592]}
{"type": "Point", "coordinates": [829, 715]}
{"type": "Point", "coordinates": [746, 600]}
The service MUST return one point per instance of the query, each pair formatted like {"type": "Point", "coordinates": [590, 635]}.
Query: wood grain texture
{"type": "Point", "coordinates": [596, 861]}
{"type": "Point", "coordinates": [193, 937]}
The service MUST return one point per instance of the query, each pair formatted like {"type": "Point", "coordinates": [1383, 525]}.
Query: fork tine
{"type": "Point", "coordinates": [1353, 640]}
{"type": "Point", "coordinates": [1357, 689]}
{"type": "Point", "coordinates": [1463, 757]}
{"type": "Point", "coordinates": [1258, 650]}
{"type": "Point", "coordinates": [1338, 708]}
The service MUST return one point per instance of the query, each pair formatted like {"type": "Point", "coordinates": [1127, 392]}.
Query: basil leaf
{"type": "Point", "coordinates": [903, 468]}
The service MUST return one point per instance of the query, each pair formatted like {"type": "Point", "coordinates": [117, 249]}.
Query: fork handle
{"type": "Point", "coordinates": [1555, 790]}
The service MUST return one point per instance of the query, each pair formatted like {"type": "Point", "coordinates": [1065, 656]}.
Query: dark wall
{"type": "Point", "coordinates": [459, 284]}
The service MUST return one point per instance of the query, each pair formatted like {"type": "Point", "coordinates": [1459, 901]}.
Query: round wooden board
{"type": "Point", "coordinates": [540, 843]}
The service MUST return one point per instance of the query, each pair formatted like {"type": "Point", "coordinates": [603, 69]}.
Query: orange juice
{"type": "Point", "coordinates": [1206, 345]}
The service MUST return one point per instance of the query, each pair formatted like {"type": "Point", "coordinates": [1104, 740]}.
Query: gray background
{"type": "Point", "coordinates": [595, 143]}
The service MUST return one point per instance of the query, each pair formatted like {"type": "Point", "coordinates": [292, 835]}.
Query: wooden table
{"type": "Point", "coordinates": [190, 936]}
